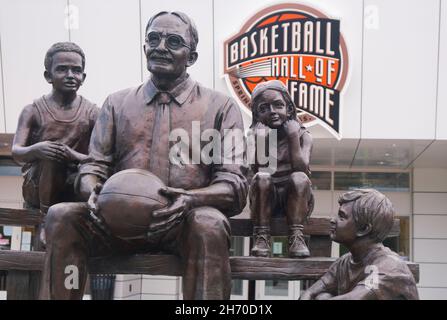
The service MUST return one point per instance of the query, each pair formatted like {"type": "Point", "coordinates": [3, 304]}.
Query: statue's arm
{"type": "Point", "coordinates": [96, 167]}
{"type": "Point", "coordinates": [306, 149]}
{"type": "Point", "coordinates": [300, 153]}
{"type": "Point", "coordinates": [326, 286]}
{"type": "Point", "coordinates": [219, 195]}
{"type": "Point", "coordinates": [77, 156]}
{"type": "Point", "coordinates": [257, 145]}
{"type": "Point", "coordinates": [87, 185]}
{"type": "Point", "coordinates": [360, 292]}
{"type": "Point", "coordinates": [229, 186]}
{"type": "Point", "coordinates": [24, 152]}
{"type": "Point", "coordinates": [318, 288]}
{"type": "Point", "coordinates": [21, 151]}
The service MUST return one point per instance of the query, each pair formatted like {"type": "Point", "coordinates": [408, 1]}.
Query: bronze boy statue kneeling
{"type": "Point", "coordinates": [286, 191]}
{"type": "Point", "coordinates": [369, 270]}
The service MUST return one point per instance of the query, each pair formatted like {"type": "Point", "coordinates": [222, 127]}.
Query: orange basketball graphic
{"type": "Point", "coordinates": [299, 46]}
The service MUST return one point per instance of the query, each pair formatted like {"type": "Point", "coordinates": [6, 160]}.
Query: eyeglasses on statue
{"type": "Point", "coordinates": [172, 41]}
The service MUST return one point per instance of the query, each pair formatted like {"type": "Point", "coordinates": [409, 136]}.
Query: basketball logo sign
{"type": "Point", "coordinates": [299, 46]}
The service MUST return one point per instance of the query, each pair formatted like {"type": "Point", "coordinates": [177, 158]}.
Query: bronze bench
{"type": "Point", "coordinates": [24, 266]}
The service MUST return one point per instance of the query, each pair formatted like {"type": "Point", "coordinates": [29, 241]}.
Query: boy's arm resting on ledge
{"type": "Point", "coordinates": [360, 292]}
{"type": "Point", "coordinates": [317, 289]}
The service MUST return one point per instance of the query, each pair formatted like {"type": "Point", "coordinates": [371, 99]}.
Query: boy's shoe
{"type": "Point", "coordinates": [297, 245]}
{"type": "Point", "coordinates": [262, 242]}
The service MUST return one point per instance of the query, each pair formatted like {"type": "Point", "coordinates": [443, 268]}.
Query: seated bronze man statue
{"type": "Point", "coordinates": [370, 270]}
{"type": "Point", "coordinates": [287, 190]}
{"type": "Point", "coordinates": [54, 131]}
{"type": "Point", "coordinates": [132, 132]}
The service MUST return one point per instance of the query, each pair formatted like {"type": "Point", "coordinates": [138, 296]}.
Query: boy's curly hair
{"type": "Point", "coordinates": [62, 47]}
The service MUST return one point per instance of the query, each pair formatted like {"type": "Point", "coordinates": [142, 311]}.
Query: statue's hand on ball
{"type": "Point", "coordinates": [91, 202]}
{"type": "Point", "coordinates": [135, 203]}
{"type": "Point", "coordinates": [167, 217]}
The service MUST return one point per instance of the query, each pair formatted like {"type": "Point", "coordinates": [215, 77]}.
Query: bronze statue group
{"type": "Point", "coordinates": [69, 148]}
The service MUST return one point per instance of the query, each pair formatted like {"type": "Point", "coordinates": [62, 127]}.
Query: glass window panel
{"type": "Point", "coordinates": [400, 244]}
{"type": "Point", "coordinates": [237, 249]}
{"type": "Point", "coordinates": [8, 171]}
{"type": "Point", "coordinates": [9, 168]}
{"type": "Point", "coordinates": [321, 180]}
{"type": "Point", "coordinates": [382, 181]}
{"type": "Point", "coordinates": [277, 288]}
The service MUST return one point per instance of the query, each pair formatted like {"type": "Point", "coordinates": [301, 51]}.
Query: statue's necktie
{"type": "Point", "coordinates": [159, 154]}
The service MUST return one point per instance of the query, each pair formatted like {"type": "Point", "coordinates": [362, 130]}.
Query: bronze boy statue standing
{"type": "Point", "coordinates": [369, 270]}
{"type": "Point", "coordinates": [286, 191]}
{"type": "Point", "coordinates": [53, 132]}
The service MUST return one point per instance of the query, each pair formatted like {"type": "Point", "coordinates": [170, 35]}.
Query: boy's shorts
{"type": "Point", "coordinates": [30, 189]}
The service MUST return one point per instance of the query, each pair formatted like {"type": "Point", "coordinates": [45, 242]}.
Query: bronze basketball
{"type": "Point", "coordinates": [127, 201]}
